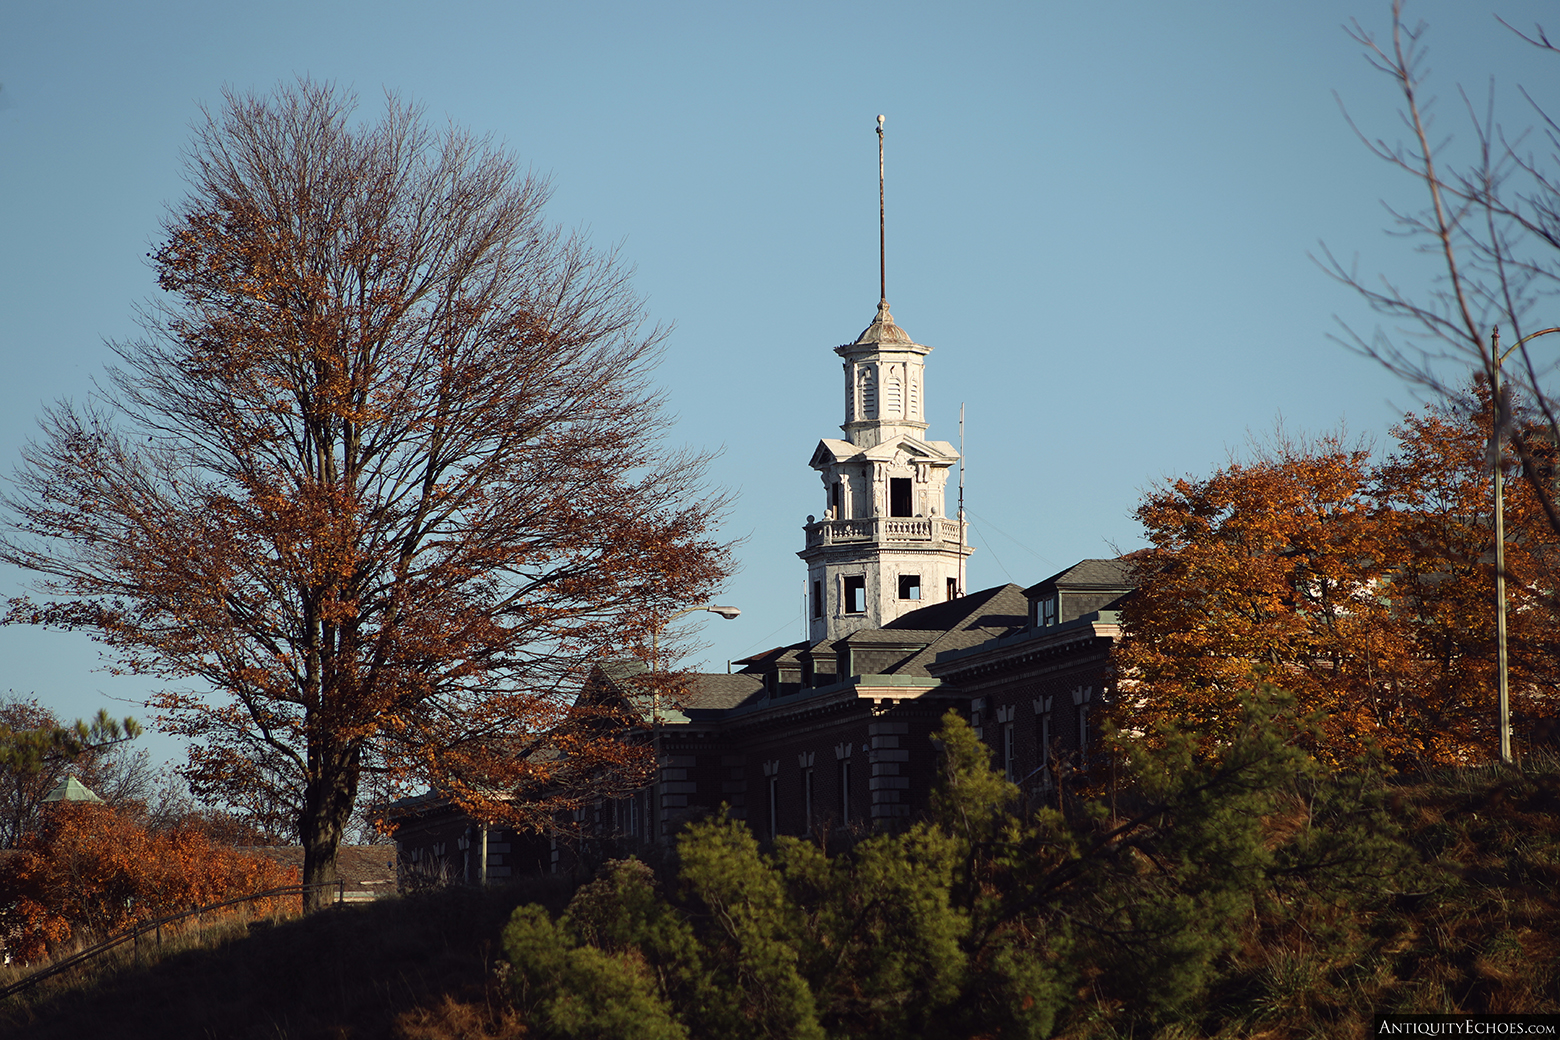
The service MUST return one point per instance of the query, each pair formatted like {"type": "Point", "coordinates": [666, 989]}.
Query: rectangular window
{"type": "Point", "coordinates": [953, 588]}
{"type": "Point", "coordinates": [856, 594]}
{"type": "Point", "coordinates": [1009, 761]}
{"type": "Point", "coordinates": [909, 586]}
{"type": "Point", "coordinates": [900, 497]}
{"type": "Point", "coordinates": [845, 791]}
{"type": "Point", "coordinates": [837, 500]}
{"type": "Point", "coordinates": [807, 800]}
{"type": "Point", "coordinates": [774, 807]}
{"type": "Point", "coordinates": [817, 599]}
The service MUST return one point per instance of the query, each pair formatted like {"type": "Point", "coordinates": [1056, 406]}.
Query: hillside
{"type": "Point", "coordinates": [1477, 930]}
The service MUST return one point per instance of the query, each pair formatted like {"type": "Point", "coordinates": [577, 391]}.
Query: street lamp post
{"type": "Point", "coordinates": [655, 700]}
{"type": "Point", "coordinates": [1497, 359]}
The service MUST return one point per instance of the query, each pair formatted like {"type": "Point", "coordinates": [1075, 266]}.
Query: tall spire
{"type": "Point", "coordinates": [882, 240]}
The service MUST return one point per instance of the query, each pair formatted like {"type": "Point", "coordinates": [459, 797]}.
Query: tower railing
{"type": "Point", "coordinates": [882, 529]}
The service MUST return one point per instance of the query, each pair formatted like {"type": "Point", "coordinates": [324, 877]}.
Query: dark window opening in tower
{"type": "Point", "coordinates": [837, 500]}
{"type": "Point", "coordinates": [909, 586]}
{"type": "Point", "coordinates": [856, 594]}
{"type": "Point", "coordinates": [899, 497]}
{"type": "Point", "coordinates": [953, 588]}
{"type": "Point", "coordinates": [817, 599]}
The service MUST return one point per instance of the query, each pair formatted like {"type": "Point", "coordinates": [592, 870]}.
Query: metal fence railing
{"type": "Point", "coordinates": [150, 927]}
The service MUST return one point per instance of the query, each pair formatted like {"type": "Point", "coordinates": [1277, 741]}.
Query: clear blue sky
{"type": "Point", "coordinates": [1099, 217]}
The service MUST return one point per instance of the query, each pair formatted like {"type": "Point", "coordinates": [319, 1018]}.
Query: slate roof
{"type": "Point", "coordinates": [987, 614]}
{"type": "Point", "coordinates": [1090, 574]}
{"type": "Point", "coordinates": [951, 625]}
{"type": "Point", "coordinates": [705, 692]}
{"type": "Point", "coordinates": [718, 692]}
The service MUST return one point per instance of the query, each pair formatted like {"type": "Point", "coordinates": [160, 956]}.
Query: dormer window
{"type": "Point", "coordinates": [1045, 611]}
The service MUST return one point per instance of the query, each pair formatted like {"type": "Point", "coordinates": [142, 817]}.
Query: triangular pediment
{"type": "Point", "coordinates": [830, 451]}
{"type": "Point", "coordinates": [935, 452]}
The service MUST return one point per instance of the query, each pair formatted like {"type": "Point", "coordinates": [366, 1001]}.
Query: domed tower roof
{"type": "Point", "coordinates": [882, 330]}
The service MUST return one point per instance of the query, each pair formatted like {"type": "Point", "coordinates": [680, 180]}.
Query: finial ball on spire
{"type": "Point", "coordinates": [880, 121]}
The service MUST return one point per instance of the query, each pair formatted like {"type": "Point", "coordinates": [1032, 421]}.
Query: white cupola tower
{"type": "Point", "coordinates": [885, 545]}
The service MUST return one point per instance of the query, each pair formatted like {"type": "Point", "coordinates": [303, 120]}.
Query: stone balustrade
{"type": "Point", "coordinates": [882, 529]}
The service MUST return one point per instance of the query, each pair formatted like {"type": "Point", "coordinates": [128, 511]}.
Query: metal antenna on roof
{"type": "Point", "coordinates": [882, 240]}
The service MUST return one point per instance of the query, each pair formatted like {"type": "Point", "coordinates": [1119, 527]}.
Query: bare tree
{"type": "Point", "coordinates": [384, 473]}
{"type": "Point", "coordinates": [1490, 216]}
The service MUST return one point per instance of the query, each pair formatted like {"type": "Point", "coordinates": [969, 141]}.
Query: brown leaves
{"type": "Point", "coordinates": [92, 869]}
{"type": "Point", "coordinates": [386, 472]}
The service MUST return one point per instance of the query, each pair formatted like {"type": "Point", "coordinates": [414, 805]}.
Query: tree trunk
{"type": "Point", "coordinates": [327, 806]}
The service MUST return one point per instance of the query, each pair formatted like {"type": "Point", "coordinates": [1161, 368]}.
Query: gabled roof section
{"type": "Point", "coordinates": [897, 638]}
{"type": "Point", "coordinates": [830, 450]}
{"type": "Point", "coordinates": [1089, 575]}
{"type": "Point", "coordinates": [768, 657]}
{"type": "Point", "coordinates": [966, 621]}
{"type": "Point", "coordinates": [695, 692]}
{"type": "Point", "coordinates": [999, 606]}
{"type": "Point", "coordinates": [716, 692]}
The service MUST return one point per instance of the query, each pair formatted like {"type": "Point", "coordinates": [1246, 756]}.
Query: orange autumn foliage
{"type": "Point", "coordinates": [1365, 589]}
{"type": "Point", "coordinates": [91, 871]}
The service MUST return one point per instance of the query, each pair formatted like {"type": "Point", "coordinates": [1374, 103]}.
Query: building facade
{"type": "Point", "coordinates": [831, 737]}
